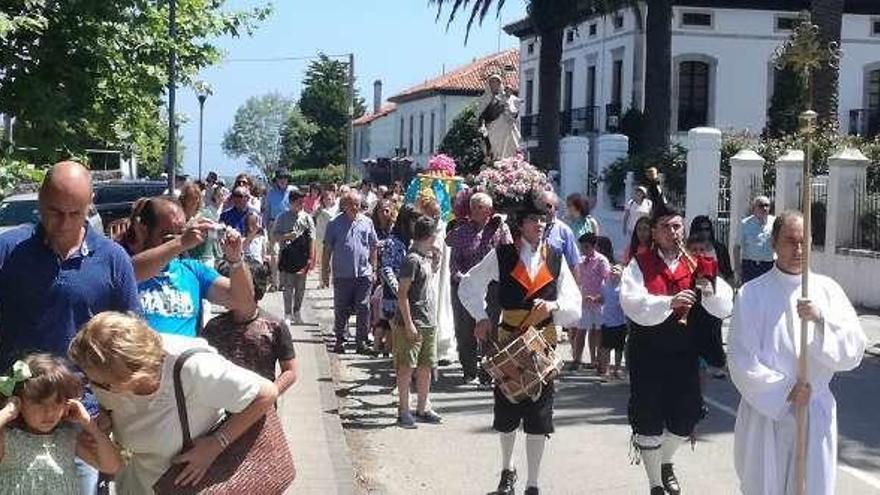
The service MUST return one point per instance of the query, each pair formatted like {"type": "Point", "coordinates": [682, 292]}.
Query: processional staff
{"type": "Point", "coordinates": [804, 53]}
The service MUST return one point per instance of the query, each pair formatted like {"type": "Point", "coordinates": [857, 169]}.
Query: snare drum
{"type": "Point", "coordinates": [524, 366]}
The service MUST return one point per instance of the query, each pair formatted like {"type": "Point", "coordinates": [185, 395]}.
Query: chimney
{"type": "Point", "coordinates": [377, 95]}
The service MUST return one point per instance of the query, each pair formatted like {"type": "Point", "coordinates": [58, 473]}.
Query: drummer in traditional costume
{"type": "Point", "coordinates": [536, 289]}
{"type": "Point", "coordinates": [657, 292]}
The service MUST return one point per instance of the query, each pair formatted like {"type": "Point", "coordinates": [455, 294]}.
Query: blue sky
{"type": "Point", "coordinates": [397, 41]}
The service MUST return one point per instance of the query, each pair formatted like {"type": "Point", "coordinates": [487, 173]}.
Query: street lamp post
{"type": "Point", "coordinates": [171, 159]}
{"type": "Point", "coordinates": [202, 92]}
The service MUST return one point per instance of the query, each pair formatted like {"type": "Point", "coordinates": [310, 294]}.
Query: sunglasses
{"type": "Point", "coordinates": [764, 205]}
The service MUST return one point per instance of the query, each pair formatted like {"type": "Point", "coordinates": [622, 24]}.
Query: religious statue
{"type": "Point", "coordinates": [498, 113]}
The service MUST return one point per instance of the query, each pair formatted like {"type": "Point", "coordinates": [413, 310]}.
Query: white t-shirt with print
{"type": "Point", "coordinates": [149, 426]}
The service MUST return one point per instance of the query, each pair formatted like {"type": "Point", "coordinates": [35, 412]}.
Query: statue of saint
{"type": "Point", "coordinates": [498, 113]}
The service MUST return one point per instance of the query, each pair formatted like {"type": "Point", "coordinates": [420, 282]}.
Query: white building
{"type": "Point", "coordinates": [415, 122]}
{"type": "Point", "coordinates": [722, 73]}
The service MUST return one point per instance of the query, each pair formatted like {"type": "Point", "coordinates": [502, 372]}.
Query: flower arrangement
{"type": "Point", "coordinates": [443, 165]}
{"type": "Point", "coordinates": [511, 181]}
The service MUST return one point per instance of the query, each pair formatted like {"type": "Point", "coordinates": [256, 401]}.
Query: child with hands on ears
{"type": "Point", "coordinates": [44, 427]}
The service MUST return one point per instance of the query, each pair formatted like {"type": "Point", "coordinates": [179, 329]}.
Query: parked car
{"type": "Point", "coordinates": [114, 199]}
{"type": "Point", "coordinates": [20, 209]}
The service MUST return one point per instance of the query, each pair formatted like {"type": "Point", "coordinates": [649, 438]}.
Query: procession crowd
{"type": "Point", "coordinates": [133, 315]}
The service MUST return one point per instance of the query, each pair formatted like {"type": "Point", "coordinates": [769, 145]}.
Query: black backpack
{"type": "Point", "coordinates": [294, 254]}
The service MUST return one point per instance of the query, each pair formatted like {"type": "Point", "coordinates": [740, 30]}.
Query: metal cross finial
{"type": "Point", "coordinates": [804, 52]}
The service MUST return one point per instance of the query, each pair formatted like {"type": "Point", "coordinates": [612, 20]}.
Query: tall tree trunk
{"type": "Point", "coordinates": [658, 75]}
{"type": "Point", "coordinates": [549, 77]}
{"type": "Point", "coordinates": [828, 15]}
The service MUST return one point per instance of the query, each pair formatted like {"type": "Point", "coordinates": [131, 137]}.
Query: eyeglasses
{"type": "Point", "coordinates": [763, 205]}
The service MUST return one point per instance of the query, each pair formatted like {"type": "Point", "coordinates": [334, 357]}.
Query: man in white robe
{"type": "Point", "coordinates": [763, 359]}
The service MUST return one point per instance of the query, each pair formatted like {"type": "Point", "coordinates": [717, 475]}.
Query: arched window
{"type": "Point", "coordinates": [693, 95]}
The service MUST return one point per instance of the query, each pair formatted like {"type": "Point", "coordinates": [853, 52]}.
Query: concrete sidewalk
{"type": "Point", "coordinates": [310, 410]}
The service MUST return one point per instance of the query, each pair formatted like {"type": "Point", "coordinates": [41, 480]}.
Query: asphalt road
{"type": "Point", "coordinates": [589, 453]}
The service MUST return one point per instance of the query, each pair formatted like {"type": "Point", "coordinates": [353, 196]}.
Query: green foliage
{"type": "Point", "coordinates": [788, 102]}
{"type": "Point", "coordinates": [324, 102]}
{"type": "Point", "coordinates": [256, 132]}
{"type": "Point", "coordinates": [296, 140]}
{"type": "Point", "coordinates": [91, 73]}
{"type": "Point", "coordinates": [672, 163]}
{"type": "Point", "coordinates": [331, 174]}
{"type": "Point", "coordinates": [464, 142]}
{"type": "Point", "coordinates": [15, 172]}
{"type": "Point", "coordinates": [827, 141]}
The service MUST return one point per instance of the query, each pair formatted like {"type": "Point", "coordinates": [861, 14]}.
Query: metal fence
{"type": "Point", "coordinates": [818, 209]}
{"type": "Point", "coordinates": [866, 220]}
{"type": "Point", "coordinates": [722, 224]}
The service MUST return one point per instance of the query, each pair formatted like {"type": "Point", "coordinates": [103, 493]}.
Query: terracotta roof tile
{"type": "Point", "coordinates": [469, 79]}
{"type": "Point", "coordinates": [369, 117]}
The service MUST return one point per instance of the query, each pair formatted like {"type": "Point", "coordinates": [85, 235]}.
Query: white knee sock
{"type": "Point", "coordinates": [508, 440]}
{"type": "Point", "coordinates": [650, 450]}
{"type": "Point", "coordinates": [671, 443]}
{"type": "Point", "coordinates": [534, 453]}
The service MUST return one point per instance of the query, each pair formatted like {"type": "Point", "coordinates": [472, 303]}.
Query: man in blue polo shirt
{"type": "Point", "coordinates": [236, 217]}
{"type": "Point", "coordinates": [54, 276]}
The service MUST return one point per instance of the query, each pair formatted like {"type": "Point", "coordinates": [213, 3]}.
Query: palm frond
{"type": "Point", "coordinates": [479, 9]}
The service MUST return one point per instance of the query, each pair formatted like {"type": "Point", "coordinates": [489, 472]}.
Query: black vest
{"type": "Point", "coordinates": [512, 293]}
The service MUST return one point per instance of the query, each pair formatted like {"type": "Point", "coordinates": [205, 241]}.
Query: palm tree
{"type": "Point", "coordinates": [828, 15]}
{"type": "Point", "coordinates": [658, 75]}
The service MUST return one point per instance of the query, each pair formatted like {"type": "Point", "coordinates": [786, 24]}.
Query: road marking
{"type": "Point", "coordinates": [854, 472]}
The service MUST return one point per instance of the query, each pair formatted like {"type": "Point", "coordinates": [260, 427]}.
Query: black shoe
{"type": "Point", "coordinates": [532, 490]}
{"type": "Point", "coordinates": [339, 348]}
{"type": "Point", "coordinates": [670, 482]}
{"type": "Point", "coordinates": [658, 490]}
{"type": "Point", "coordinates": [507, 483]}
{"type": "Point", "coordinates": [485, 378]}
{"type": "Point", "coordinates": [364, 349]}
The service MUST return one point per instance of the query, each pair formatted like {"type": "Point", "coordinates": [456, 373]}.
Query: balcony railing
{"type": "Point", "coordinates": [528, 126]}
{"type": "Point", "coordinates": [579, 121]}
{"type": "Point", "coordinates": [864, 122]}
{"type": "Point", "coordinates": [574, 122]}
{"type": "Point", "coordinates": [612, 117]}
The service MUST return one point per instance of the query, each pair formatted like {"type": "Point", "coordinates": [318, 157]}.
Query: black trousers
{"type": "Point", "coordinates": [664, 390]}
{"type": "Point", "coordinates": [536, 416]}
{"type": "Point", "coordinates": [469, 352]}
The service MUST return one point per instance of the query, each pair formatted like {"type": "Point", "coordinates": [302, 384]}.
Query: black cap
{"type": "Point", "coordinates": [282, 173]}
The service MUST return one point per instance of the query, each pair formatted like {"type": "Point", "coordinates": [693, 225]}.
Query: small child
{"type": "Point", "coordinates": [415, 335]}
{"type": "Point", "coordinates": [40, 430]}
{"type": "Point", "coordinates": [590, 273]}
{"type": "Point", "coordinates": [253, 339]}
{"type": "Point", "coordinates": [712, 358]}
{"type": "Point", "coordinates": [613, 323]}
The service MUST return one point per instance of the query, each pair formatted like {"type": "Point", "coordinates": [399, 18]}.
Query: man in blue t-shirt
{"type": "Point", "coordinates": [56, 275]}
{"type": "Point", "coordinates": [172, 289]}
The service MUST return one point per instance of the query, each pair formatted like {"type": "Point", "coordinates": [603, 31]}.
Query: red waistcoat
{"type": "Point", "coordinates": [659, 280]}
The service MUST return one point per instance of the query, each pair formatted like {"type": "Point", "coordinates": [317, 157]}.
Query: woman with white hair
{"type": "Point", "coordinates": [637, 207]}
